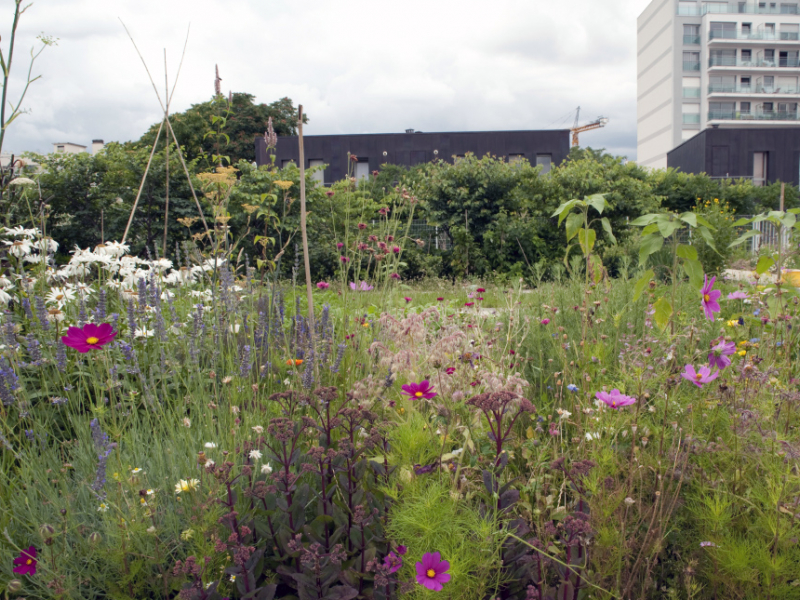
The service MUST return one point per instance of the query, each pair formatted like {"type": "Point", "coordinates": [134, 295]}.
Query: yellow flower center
{"type": "Point", "coordinates": [418, 394]}
{"type": "Point", "coordinates": [430, 573]}
{"type": "Point", "coordinates": [706, 297]}
{"type": "Point", "coordinates": [29, 561]}
{"type": "Point", "coordinates": [92, 340]}
{"type": "Point", "coordinates": [613, 404]}
{"type": "Point", "coordinates": [698, 376]}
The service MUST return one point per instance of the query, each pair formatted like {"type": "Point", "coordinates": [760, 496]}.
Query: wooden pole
{"type": "Point", "coordinates": [141, 185]}
{"type": "Point", "coordinates": [304, 229]}
{"type": "Point", "coordinates": [780, 232]}
{"type": "Point", "coordinates": [166, 157]}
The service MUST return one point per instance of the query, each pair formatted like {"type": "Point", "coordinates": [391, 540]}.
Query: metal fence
{"type": "Point", "coordinates": [430, 234]}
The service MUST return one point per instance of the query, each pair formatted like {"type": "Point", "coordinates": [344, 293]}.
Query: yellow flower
{"type": "Point", "coordinates": [284, 185]}
{"type": "Point", "coordinates": [742, 352]}
{"type": "Point", "coordinates": [743, 343]}
{"type": "Point", "coordinates": [186, 486]}
{"type": "Point", "coordinates": [732, 323]}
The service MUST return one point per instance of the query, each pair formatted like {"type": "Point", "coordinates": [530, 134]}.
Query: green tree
{"type": "Point", "coordinates": [246, 121]}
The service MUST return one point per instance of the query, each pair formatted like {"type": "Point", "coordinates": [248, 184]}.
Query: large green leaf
{"type": "Point", "coordinates": [574, 222]}
{"type": "Point", "coordinates": [597, 268]}
{"type": "Point", "coordinates": [607, 228]}
{"type": "Point", "coordinates": [668, 226]}
{"type": "Point", "coordinates": [741, 222]}
{"type": "Point", "coordinates": [663, 312]}
{"type": "Point", "coordinates": [563, 210]}
{"type": "Point", "coordinates": [764, 264]}
{"type": "Point", "coordinates": [644, 220]}
{"type": "Point", "coordinates": [706, 235]}
{"type": "Point", "coordinates": [586, 238]}
{"type": "Point", "coordinates": [701, 220]}
{"type": "Point", "coordinates": [650, 244]}
{"type": "Point", "coordinates": [745, 236]}
{"type": "Point", "coordinates": [640, 286]}
{"type": "Point", "coordinates": [686, 251]}
{"type": "Point", "coordinates": [596, 201]}
{"type": "Point", "coordinates": [694, 270]}
{"type": "Point", "coordinates": [689, 218]}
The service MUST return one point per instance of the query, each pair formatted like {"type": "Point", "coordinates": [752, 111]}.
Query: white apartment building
{"type": "Point", "coordinates": [70, 148]}
{"type": "Point", "coordinates": [714, 64]}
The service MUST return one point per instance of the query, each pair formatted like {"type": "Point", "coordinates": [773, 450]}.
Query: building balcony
{"type": "Point", "coordinates": [734, 8]}
{"type": "Point", "coordinates": [691, 119]}
{"type": "Point", "coordinates": [757, 63]}
{"type": "Point", "coordinates": [773, 115]}
{"type": "Point", "coordinates": [740, 90]}
{"type": "Point", "coordinates": [691, 65]}
{"type": "Point", "coordinates": [693, 92]}
{"type": "Point", "coordinates": [753, 36]}
{"type": "Point", "coordinates": [691, 39]}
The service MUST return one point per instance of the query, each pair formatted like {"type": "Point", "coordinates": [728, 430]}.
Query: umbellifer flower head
{"type": "Point", "coordinates": [419, 391]}
{"type": "Point", "coordinates": [432, 571]}
{"type": "Point", "coordinates": [614, 399]}
{"type": "Point", "coordinates": [90, 337]}
{"type": "Point", "coordinates": [25, 563]}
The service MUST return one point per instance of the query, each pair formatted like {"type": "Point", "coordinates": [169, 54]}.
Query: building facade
{"type": "Point", "coordinates": [544, 148]}
{"type": "Point", "coordinates": [764, 155]}
{"type": "Point", "coordinates": [714, 64]}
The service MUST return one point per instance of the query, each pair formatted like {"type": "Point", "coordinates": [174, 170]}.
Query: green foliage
{"type": "Point", "coordinates": [721, 217]}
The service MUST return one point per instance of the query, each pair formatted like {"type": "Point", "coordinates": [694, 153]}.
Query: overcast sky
{"type": "Point", "coordinates": [357, 66]}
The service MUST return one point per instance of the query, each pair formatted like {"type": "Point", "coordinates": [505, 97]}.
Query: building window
{"type": "Point", "coordinates": [318, 176]}
{"type": "Point", "coordinates": [59, 148]}
{"type": "Point", "coordinates": [691, 34]}
{"type": "Point", "coordinates": [362, 169]}
{"type": "Point", "coordinates": [458, 158]}
{"type": "Point", "coordinates": [747, 56]}
{"type": "Point", "coordinates": [545, 161]}
{"type": "Point", "coordinates": [721, 110]}
{"type": "Point", "coordinates": [789, 9]}
{"type": "Point", "coordinates": [747, 29]}
{"type": "Point", "coordinates": [286, 162]}
{"type": "Point", "coordinates": [515, 158]}
{"type": "Point", "coordinates": [691, 61]}
{"type": "Point", "coordinates": [790, 31]}
{"type": "Point", "coordinates": [723, 30]}
{"type": "Point", "coordinates": [759, 168]}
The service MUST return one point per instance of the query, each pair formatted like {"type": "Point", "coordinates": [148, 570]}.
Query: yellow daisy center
{"type": "Point", "coordinates": [613, 404]}
{"type": "Point", "coordinates": [29, 561]}
{"type": "Point", "coordinates": [706, 297]}
{"type": "Point", "coordinates": [430, 573]}
{"type": "Point", "coordinates": [698, 376]}
{"type": "Point", "coordinates": [92, 340]}
{"type": "Point", "coordinates": [418, 394]}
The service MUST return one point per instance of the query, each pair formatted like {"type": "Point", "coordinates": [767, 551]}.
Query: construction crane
{"type": "Point", "coordinates": [576, 129]}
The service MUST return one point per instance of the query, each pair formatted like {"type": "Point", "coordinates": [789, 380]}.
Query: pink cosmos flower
{"type": "Point", "coordinates": [91, 337]}
{"type": "Point", "coordinates": [392, 562]}
{"type": "Point", "coordinates": [419, 391]}
{"type": "Point", "coordinates": [545, 321]}
{"type": "Point", "coordinates": [710, 297]}
{"type": "Point", "coordinates": [718, 357]}
{"type": "Point", "coordinates": [323, 285]}
{"type": "Point", "coordinates": [361, 287]}
{"type": "Point", "coordinates": [469, 303]}
{"type": "Point", "coordinates": [407, 299]}
{"type": "Point", "coordinates": [700, 376]}
{"type": "Point", "coordinates": [738, 295]}
{"type": "Point", "coordinates": [450, 370]}
{"type": "Point", "coordinates": [26, 562]}
{"type": "Point", "coordinates": [432, 571]}
{"type": "Point", "coordinates": [614, 399]}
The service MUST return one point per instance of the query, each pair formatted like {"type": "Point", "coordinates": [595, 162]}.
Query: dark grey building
{"type": "Point", "coordinates": [763, 155]}
{"type": "Point", "coordinates": [545, 147]}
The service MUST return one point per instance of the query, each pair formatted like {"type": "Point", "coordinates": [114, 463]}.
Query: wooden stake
{"type": "Point", "coordinates": [141, 185]}
{"type": "Point", "coordinates": [166, 155]}
{"type": "Point", "coordinates": [304, 229]}
{"type": "Point", "coordinates": [189, 179]}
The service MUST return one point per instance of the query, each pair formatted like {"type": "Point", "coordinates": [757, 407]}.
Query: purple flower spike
{"type": "Point", "coordinates": [710, 297]}
{"type": "Point", "coordinates": [432, 571]}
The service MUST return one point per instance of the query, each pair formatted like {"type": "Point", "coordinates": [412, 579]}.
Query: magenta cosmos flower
{"type": "Point", "coordinates": [25, 563]}
{"type": "Point", "coordinates": [700, 376]}
{"type": "Point", "coordinates": [393, 562]}
{"type": "Point", "coordinates": [362, 286]}
{"type": "Point", "coordinates": [545, 321]}
{"type": "Point", "coordinates": [419, 391]}
{"type": "Point", "coordinates": [323, 285]}
{"type": "Point", "coordinates": [710, 297]}
{"type": "Point", "coordinates": [738, 295]}
{"type": "Point", "coordinates": [91, 337]}
{"type": "Point", "coordinates": [718, 357]}
{"type": "Point", "coordinates": [615, 399]}
{"type": "Point", "coordinates": [432, 571]}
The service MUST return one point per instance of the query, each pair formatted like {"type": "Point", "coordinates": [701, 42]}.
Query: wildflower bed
{"type": "Point", "coordinates": [184, 430]}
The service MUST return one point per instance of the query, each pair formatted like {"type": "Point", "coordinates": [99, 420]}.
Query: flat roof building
{"type": "Point", "coordinates": [542, 147]}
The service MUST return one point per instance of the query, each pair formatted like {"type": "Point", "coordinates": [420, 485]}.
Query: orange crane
{"type": "Point", "coordinates": [576, 129]}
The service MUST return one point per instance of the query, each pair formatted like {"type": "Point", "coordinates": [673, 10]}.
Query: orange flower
{"type": "Point", "coordinates": [294, 363]}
